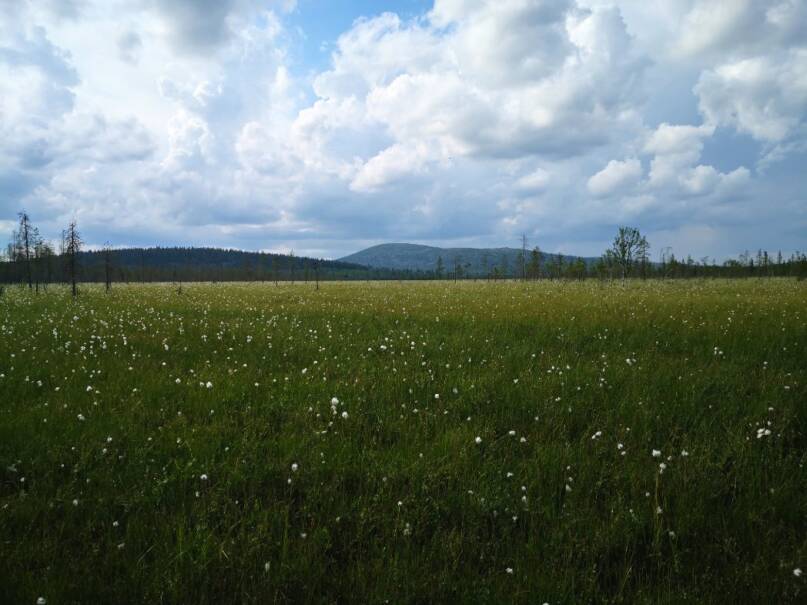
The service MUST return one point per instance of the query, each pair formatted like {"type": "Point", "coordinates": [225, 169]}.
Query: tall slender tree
{"type": "Point", "coordinates": [71, 239]}
{"type": "Point", "coordinates": [107, 266]}
{"type": "Point", "coordinates": [25, 242]}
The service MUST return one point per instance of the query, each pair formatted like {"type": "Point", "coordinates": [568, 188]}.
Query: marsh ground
{"type": "Point", "coordinates": [405, 443]}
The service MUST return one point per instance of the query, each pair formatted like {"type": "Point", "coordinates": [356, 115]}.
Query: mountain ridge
{"type": "Point", "coordinates": [473, 261]}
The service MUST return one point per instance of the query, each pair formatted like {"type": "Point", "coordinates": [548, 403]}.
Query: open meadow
{"type": "Point", "coordinates": [473, 442]}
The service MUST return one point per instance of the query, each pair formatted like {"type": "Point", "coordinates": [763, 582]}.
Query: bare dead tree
{"type": "Point", "coordinates": [72, 246]}
{"type": "Point", "coordinates": [24, 242]}
{"type": "Point", "coordinates": [108, 266]}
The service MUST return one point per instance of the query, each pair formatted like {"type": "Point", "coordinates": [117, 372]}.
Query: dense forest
{"type": "Point", "coordinates": [30, 259]}
{"type": "Point", "coordinates": [177, 264]}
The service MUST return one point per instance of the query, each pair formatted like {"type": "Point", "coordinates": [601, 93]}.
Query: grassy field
{"type": "Point", "coordinates": [405, 443]}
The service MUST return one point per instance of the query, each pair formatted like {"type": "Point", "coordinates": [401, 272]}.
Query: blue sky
{"type": "Point", "coordinates": [322, 22]}
{"type": "Point", "coordinates": [326, 126]}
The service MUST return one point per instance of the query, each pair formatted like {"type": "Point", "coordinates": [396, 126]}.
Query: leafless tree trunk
{"type": "Point", "coordinates": [107, 266]}
{"type": "Point", "coordinates": [72, 246]}
{"type": "Point", "coordinates": [25, 240]}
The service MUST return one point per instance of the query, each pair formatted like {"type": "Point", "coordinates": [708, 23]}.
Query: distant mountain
{"type": "Point", "coordinates": [475, 261]}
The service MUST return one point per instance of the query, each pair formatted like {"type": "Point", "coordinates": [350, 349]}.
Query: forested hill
{"type": "Point", "coordinates": [190, 264]}
{"type": "Point", "coordinates": [205, 264]}
{"type": "Point", "coordinates": [472, 261]}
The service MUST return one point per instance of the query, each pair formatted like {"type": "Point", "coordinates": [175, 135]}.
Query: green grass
{"type": "Point", "coordinates": [103, 402]}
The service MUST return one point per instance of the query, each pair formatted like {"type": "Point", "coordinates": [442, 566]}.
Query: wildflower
{"type": "Point", "coordinates": [656, 453]}
{"type": "Point", "coordinates": [209, 385]}
{"type": "Point", "coordinates": [797, 572]}
{"type": "Point", "coordinates": [509, 570]}
{"type": "Point", "coordinates": [344, 415]}
{"type": "Point", "coordinates": [41, 601]}
{"type": "Point", "coordinates": [334, 401]}
{"type": "Point", "coordinates": [478, 440]}
{"type": "Point", "coordinates": [203, 477]}
{"type": "Point", "coordinates": [294, 467]}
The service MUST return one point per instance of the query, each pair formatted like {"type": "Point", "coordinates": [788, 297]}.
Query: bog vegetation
{"type": "Point", "coordinates": [539, 442]}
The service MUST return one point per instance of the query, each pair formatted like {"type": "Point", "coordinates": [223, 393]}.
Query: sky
{"type": "Point", "coordinates": [326, 126]}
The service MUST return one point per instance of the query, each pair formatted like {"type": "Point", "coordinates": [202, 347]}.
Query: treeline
{"type": "Point", "coordinates": [628, 256]}
{"type": "Point", "coordinates": [30, 259]}
{"type": "Point", "coordinates": [557, 266]}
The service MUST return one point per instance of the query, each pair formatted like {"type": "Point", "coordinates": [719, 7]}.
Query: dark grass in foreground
{"type": "Point", "coordinates": [491, 443]}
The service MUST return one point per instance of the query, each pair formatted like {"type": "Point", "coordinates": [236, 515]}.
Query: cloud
{"type": "Point", "coordinates": [129, 47]}
{"type": "Point", "coordinates": [765, 97]}
{"type": "Point", "coordinates": [615, 176]}
{"type": "Point", "coordinates": [534, 182]}
{"type": "Point", "coordinates": [202, 26]}
{"type": "Point", "coordinates": [389, 165]}
{"type": "Point", "coordinates": [736, 28]}
{"type": "Point", "coordinates": [197, 25]}
{"type": "Point", "coordinates": [675, 148]}
{"type": "Point", "coordinates": [674, 169]}
{"type": "Point", "coordinates": [474, 121]}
